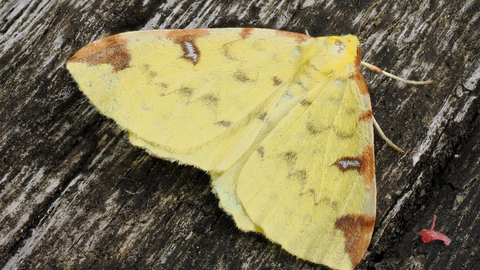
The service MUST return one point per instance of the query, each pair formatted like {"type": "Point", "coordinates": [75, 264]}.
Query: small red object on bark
{"type": "Point", "coordinates": [430, 235]}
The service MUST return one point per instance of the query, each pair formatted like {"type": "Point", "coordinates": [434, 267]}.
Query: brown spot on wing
{"type": "Point", "coordinates": [186, 91]}
{"type": "Point", "coordinates": [111, 50]}
{"type": "Point", "coordinates": [314, 129]}
{"type": "Point", "coordinates": [241, 76]}
{"type": "Point", "coordinates": [226, 51]}
{"type": "Point", "coordinates": [290, 157]}
{"type": "Point", "coordinates": [357, 230]}
{"type": "Point", "coordinates": [162, 85]}
{"type": "Point", "coordinates": [261, 151]}
{"type": "Point", "coordinates": [223, 123]}
{"type": "Point", "coordinates": [357, 75]}
{"type": "Point", "coordinates": [364, 164]}
{"type": "Point", "coordinates": [299, 38]}
{"type": "Point", "coordinates": [210, 99]}
{"type": "Point", "coordinates": [349, 163]}
{"type": "Point", "coordinates": [263, 116]}
{"type": "Point", "coordinates": [246, 32]}
{"type": "Point", "coordinates": [366, 115]}
{"type": "Point", "coordinates": [178, 36]}
{"type": "Point", "coordinates": [187, 39]}
{"type": "Point", "coordinates": [368, 166]}
{"type": "Point", "coordinates": [300, 175]}
{"type": "Point", "coordinates": [313, 193]}
{"type": "Point", "coordinates": [152, 74]}
{"type": "Point", "coordinates": [276, 81]}
{"type": "Point", "coordinates": [305, 102]}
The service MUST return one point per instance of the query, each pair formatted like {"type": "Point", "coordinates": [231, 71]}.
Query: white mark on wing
{"type": "Point", "coordinates": [190, 51]}
{"type": "Point", "coordinates": [285, 98]}
{"type": "Point", "coordinates": [297, 51]}
{"type": "Point", "coordinates": [349, 163]}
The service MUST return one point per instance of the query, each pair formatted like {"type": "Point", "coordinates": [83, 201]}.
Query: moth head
{"type": "Point", "coordinates": [333, 56]}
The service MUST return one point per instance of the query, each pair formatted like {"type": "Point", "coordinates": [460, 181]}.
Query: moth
{"type": "Point", "coordinates": [281, 121]}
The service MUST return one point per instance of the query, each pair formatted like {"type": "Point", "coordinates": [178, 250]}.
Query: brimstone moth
{"type": "Point", "coordinates": [282, 122]}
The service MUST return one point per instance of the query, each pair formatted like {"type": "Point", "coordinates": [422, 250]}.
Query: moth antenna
{"type": "Point", "coordinates": [306, 32]}
{"type": "Point", "coordinates": [385, 137]}
{"type": "Point", "coordinates": [380, 71]}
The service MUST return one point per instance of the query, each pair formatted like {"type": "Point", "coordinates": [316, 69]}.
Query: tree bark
{"type": "Point", "coordinates": [75, 194]}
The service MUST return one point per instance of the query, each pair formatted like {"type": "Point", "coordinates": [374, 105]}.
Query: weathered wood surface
{"type": "Point", "coordinates": [74, 194]}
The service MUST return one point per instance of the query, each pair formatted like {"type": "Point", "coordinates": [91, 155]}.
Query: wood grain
{"type": "Point", "coordinates": [74, 194]}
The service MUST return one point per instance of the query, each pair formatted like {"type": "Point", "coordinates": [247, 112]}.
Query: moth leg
{"type": "Point", "coordinates": [380, 71]}
{"type": "Point", "coordinates": [385, 137]}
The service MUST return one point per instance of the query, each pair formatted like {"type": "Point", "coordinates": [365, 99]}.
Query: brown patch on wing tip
{"type": "Point", "coordinates": [357, 230]}
{"type": "Point", "coordinates": [111, 50]}
{"type": "Point", "coordinates": [357, 75]}
{"type": "Point", "coordinates": [223, 123]}
{"type": "Point", "coordinates": [305, 102]}
{"type": "Point", "coordinates": [261, 151]}
{"type": "Point", "coordinates": [299, 38]}
{"type": "Point", "coordinates": [187, 39]}
{"type": "Point", "coordinates": [276, 81]}
{"type": "Point", "coordinates": [263, 116]}
{"type": "Point", "coordinates": [366, 115]}
{"type": "Point", "coordinates": [246, 32]}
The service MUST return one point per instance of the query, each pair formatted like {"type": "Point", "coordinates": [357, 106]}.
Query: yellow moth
{"type": "Point", "coordinates": [281, 121]}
